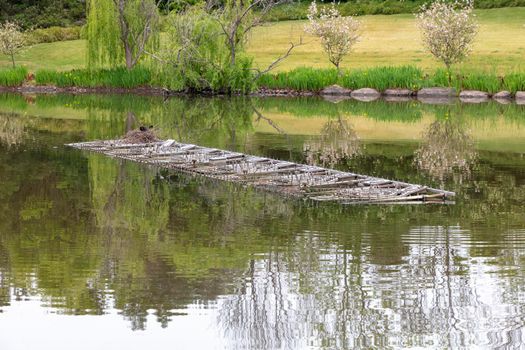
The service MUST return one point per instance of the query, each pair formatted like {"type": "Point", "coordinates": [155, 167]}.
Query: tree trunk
{"type": "Point", "coordinates": [129, 57]}
{"type": "Point", "coordinates": [13, 60]}
{"type": "Point", "coordinates": [338, 69]}
{"type": "Point", "coordinates": [232, 54]}
{"type": "Point", "coordinates": [449, 75]}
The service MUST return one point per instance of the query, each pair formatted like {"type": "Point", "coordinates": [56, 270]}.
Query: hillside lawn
{"type": "Point", "coordinates": [386, 40]}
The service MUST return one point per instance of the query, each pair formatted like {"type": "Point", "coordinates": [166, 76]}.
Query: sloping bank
{"type": "Point", "coordinates": [363, 84]}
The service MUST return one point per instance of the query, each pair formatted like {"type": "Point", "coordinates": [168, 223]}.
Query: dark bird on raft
{"type": "Point", "coordinates": [145, 128]}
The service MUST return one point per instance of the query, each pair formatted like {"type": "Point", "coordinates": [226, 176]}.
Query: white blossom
{"type": "Point", "coordinates": [448, 29]}
{"type": "Point", "coordinates": [12, 40]}
{"type": "Point", "coordinates": [338, 34]}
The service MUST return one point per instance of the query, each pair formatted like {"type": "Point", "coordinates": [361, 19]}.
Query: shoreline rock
{"type": "Point", "coordinates": [502, 95]}
{"type": "Point", "coordinates": [335, 90]}
{"type": "Point", "coordinates": [333, 93]}
{"type": "Point", "coordinates": [473, 96]}
{"type": "Point", "coordinates": [436, 92]}
{"type": "Point", "coordinates": [365, 94]}
{"type": "Point", "coordinates": [520, 95]}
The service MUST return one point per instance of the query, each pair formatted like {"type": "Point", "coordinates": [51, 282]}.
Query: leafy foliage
{"type": "Point", "coordinates": [199, 58]}
{"type": "Point", "coordinates": [43, 13]}
{"type": "Point", "coordinates": [120, 31]}
{"type": "Point", "coordinates": [52, 34]}
{"type": "Point", "coordinates": [299, 10]}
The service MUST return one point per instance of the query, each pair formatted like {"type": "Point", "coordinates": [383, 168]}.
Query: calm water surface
{"type": "Point", "coordinates": [98, 253]}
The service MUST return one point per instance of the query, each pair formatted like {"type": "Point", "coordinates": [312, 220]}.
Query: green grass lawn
{"type": "Point", "coordinates": [386, 40]}
{"type": "Point", "coordinates": [394, 40]}
{"type": "Point", "coordinates": [62, 55]}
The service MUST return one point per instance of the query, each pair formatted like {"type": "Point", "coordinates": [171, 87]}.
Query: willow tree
{"type": "Point", "coordinates": [121, 30]}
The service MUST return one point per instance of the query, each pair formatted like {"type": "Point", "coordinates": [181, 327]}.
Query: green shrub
{"type": "Point", "coordinates": [288, 11]}
{"type": "Point", "coordinates": [52, 34]}
{"type": "Point", "coordinates": [298, 10]}
{"type": "Point", "coordinates": [198, 62]}
{"type": "Point", "coordinates": [43, 13]}
{"type": "Point", "coordinates": [106, 78]}
{"type": "Point", "coordinates": [237, 78]}
{"type": "Point", "coordinates": [13, 76]}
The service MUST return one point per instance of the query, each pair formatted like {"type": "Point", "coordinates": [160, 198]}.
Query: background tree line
{"type": "Point", "coordinates": [43, 13]}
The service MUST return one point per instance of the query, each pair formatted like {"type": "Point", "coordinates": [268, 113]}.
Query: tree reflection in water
{"type": "Point", "coordinates": [447, 147]}
{"type": "Point", "coordinates": [338, 141]}
{"type": "Point", "coordinates": [341, 299]}
{"type": "Point", "coordinates": [12, 129]}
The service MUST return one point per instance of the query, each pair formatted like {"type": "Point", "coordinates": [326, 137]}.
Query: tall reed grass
{"type": "Point", "coordinates": [514, 82]}
{"type": "Point", "coordinates": [311, 79]}
{"type": "Point", "coordinates": [300, 79]}
{"type": "Point", "coordinates": [382, 78]}
{"type": "Point", "coordinates": [103, 78]}
{"type": "Point", "coordinates": [13, 77]}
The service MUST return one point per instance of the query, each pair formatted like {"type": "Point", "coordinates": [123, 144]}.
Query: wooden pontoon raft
{"type": "Point", "coordinates": [311, 182]}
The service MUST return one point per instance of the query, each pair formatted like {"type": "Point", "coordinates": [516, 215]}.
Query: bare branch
{"type": "Point", "coordinates": [278, 60]}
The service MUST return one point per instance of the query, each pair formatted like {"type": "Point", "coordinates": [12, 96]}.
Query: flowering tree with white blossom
{"type": "Point", "coordinates": [448, 29]}
{"type": "Point", "coordinates": [12, 40]}
{"type": "Point", "coordinates": [338, 34]}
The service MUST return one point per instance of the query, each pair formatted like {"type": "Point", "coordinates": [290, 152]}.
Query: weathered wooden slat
{"type": "Point", "coordinates": [312, 182]}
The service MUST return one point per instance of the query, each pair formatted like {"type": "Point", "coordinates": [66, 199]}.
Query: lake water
{"type": "Point", "coordinates": [97, 253]}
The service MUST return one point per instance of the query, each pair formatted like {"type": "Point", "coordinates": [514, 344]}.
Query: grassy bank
{"type": "Point", "coordinates": [104, 78]}
{"type": "Point", "coordinates": [382, 78]}
{"type": "Point", "coordinates": [299, 79]}
{"type": "Point", "coordinates": [386, 40]}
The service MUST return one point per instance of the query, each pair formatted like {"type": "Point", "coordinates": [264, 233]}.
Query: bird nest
{"type": "Point", "coordinates": [142, 135]}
